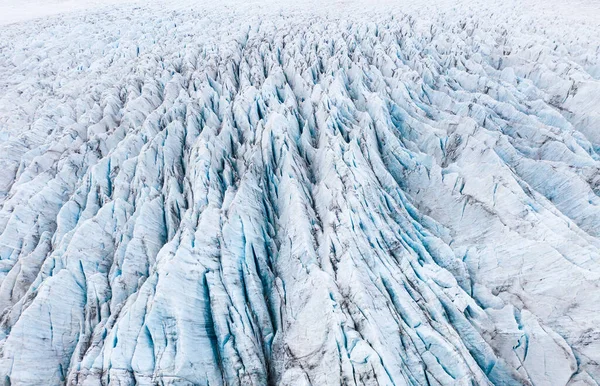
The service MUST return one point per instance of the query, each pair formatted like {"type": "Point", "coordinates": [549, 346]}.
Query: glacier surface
{"type": "Point", "coordinates": [319, 193]}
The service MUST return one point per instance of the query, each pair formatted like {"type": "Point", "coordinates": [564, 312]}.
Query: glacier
{"type": "Point", "coordinates": [314, 193]}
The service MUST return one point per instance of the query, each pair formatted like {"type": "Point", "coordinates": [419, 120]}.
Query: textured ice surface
{"type": "Point", "coordinates": [301, 194]}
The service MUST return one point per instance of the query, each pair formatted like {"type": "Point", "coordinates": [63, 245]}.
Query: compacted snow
{"type": "Point", "coordinates": [321, 193]}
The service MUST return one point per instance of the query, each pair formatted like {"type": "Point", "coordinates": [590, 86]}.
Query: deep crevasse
{"type": "Point", "coordinates": [214, 194]}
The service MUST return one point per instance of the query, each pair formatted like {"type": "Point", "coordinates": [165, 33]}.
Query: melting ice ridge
{"type": "Point", "coordinates": [196, 194]}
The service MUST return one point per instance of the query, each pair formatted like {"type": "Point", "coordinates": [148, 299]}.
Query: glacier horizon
{"type": "Point", "coordinates": [344, 193]}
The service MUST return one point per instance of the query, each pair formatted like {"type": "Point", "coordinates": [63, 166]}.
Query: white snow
{"type": "Point", "coordinates": [317, 193]}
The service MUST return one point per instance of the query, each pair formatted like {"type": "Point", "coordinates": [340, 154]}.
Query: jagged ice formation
{"type": "Point", "coordinates": [308, 194]}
